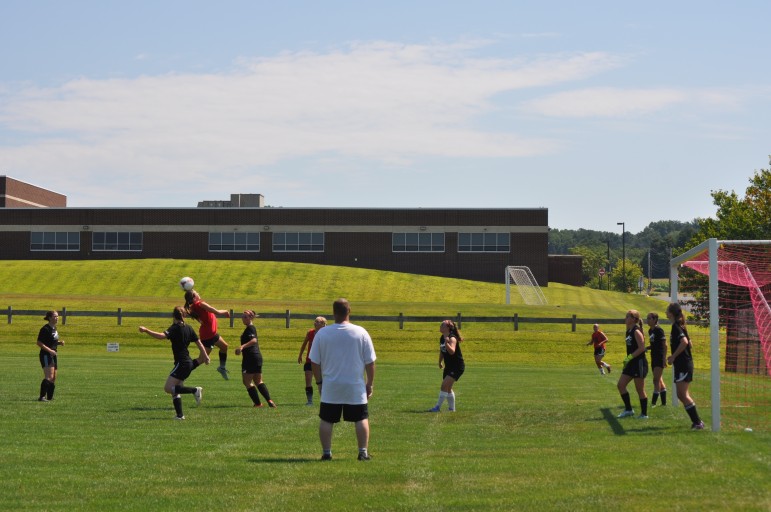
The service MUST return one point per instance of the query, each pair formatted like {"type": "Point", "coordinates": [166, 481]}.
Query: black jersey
{"type": "Point", "coordinates": [631, 342]}
{"type": "Point", "coordinates": [253, 350]}
{"type": "Point", "coordinates": [452, 360]}
{"type": "Point", "coordinates": [181, 335]}
{"type": "Point", "coordinates": [685, 359]}
{"type": "Point", "coordinates": [658, 344]}
{"type": "Point", "coordinates": [49, 337]}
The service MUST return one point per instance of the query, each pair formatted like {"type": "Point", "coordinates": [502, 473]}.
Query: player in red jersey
{"type": "Point", "coordinates": [207, 331]}
{"type": "Point", "coordinates": [306, 347]}
{"type": "Point", "coordinates": [599, 340]}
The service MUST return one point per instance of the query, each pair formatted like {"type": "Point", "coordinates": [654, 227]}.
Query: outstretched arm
{"type": "Point", "coordinates": [156, 335]}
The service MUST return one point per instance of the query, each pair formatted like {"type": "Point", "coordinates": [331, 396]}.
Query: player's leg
{"type": "Point", "coordinates": [308, 384]}
{"type": "Point", "coordinates": [639, 384]}
{"type": "Point", "coordinates": [248, 380]}
{"type": "Point", "coordinates": [223, 355]}
{"type": "Point", "coordinates": [263, 389]}
{"type": "Point", "coordinates": [623, 382]}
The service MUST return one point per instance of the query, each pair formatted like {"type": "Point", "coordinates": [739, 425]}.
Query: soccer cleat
{"type": "Point", "coordinates": [42, 399]}
{"type": "Point", "coordinates": [326, 456]}
{"type": "Point", "coordinates": [271, 404]}
{"type": "Point", "coordinates": [364, 456]}
{"type": "Point", "coordinates": [608, 368]}
{"type": "Point", "coordinates": [451, 410]}
{"type": "Point", "coordinates": [179, 417]}
{"type": "Point", "coordinates": [198, 395]}
{"type": "Point", "coordinates": [642, 417]}
{"type": "Point", "coordinates": [309, 403]}
{"type": "Point", "coordinates": [434, 409]}
{"type": "Point", "coordinates": [602, 372]}
{"type": "Point", "coordinates": [259, 405]}
{"type": "Point", "coordinates": [224, 372]}
{"type": "Point", "coordinates": [625, 414]}
{"type": "Point", "coordinates": [698, 426]}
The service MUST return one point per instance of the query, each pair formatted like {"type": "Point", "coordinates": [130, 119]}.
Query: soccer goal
{"type": "Point", "coordinates": [725, 286]}
{"type": "Point", "coordinates": [526, 284]}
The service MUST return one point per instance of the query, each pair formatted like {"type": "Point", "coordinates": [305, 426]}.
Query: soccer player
{"type": "Point", "coordinates": [48, 341]}
{"type": "Point", "coordinates": [599, 340]}
{"type": "Point", "coordinates": [181, 335]}
{"type": "Point", "coordinates": [251, 364]}
{"type": "Point", "coordinates": [340, 356]}
{"type": "Point", "coordinates": [451, 360]}
{"type": "Point", "coordinates": [681, 358]}
{"type": "Point", "coordinates": [658, 349]}
{"type": "Point", "coordinates": [207, 317]}
{"type": "Point", "coordinates": [306, 347]}
{"type": "Point", "coordinates": [635, 365]}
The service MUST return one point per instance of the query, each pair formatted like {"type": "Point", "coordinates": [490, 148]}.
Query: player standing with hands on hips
{"type": "Point", "coordinates": [48, 340]}
{"type": "Point", "coordinates": [599, 340]}
{"type": "Point", "coordinates": [682, 360]}
{"type": "Point", "coordinates": [635, 365]}
{"type": "Point", "coordinates": [341, 355]}
{"type": "Point", "coordinates": [451, 360]}
{"type": "Point", "coordinates": [180, 335]}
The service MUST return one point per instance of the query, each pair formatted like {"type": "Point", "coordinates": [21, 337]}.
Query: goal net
{"type": "Point", "coordinates": [726, 288]}
{"type": "Point", "coordinates": [526, 285]}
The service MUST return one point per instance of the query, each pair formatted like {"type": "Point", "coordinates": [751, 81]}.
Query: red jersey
{"type": "Point", "coordinates": [311, 334]}
{"type": "Point", "coordinates": [599, 339]}
{"type": "Point", "coordinates": [208, 328]}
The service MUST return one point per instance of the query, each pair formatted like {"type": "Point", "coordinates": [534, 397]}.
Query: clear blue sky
{"type": "Point", "coordinates": [601, 112]}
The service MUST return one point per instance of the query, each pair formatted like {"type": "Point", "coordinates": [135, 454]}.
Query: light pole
{"type": "Point", "coordinates": [608, 267]}
{"type": "Point", "coordinates": [623, 252]}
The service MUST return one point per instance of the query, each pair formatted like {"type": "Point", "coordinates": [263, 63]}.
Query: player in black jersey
{"type": "Point", "coordinates": [48, 341]}
{"type": "Point", "coordinates": [682, 360]}
{"type": "Point", "coordinates": [658, 350]}
{"type": "Point", "coordinates": [251, 365]}
{"type": "Point", "coordinates": [635, 365]}
{"type": "Point", "coordinates": [451, 360]}
{"type": "Point", "coordinates": [181, 335]}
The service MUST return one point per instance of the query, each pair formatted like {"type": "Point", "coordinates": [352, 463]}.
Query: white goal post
{"type": "Point", "coordinates": [526, 284]}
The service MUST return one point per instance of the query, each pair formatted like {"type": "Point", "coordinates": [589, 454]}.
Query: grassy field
{"type": "Point", "coordinates": [535, 427]}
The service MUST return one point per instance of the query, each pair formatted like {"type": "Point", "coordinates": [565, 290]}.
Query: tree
{"type": "Point", "coordinates": [593, 261]}
{"type": "Point", "coordinates": [631, 270]}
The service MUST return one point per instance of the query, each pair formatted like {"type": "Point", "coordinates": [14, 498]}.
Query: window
{"type": "Point", "coordinates": [234, 242]}
{"type": "Point", "coordinates": [116, 241]}
{"type": "Point", "coordinates": [54, 241]}
{"type": "Point", "coordinates": [289, 241]}
{"type": "Point", "coordinates": [417, 242]}
{"type": "Point", "coordinates": [483, 242]}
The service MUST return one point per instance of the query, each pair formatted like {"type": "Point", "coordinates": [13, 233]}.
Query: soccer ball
{"type": "Point", "coordinates": [186, 283]}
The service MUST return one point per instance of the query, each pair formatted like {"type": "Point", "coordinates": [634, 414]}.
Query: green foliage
{"type": "Point", "coordinates": [626, 274]}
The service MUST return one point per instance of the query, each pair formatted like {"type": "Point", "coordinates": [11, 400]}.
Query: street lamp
{"type": "Point", "coordinates": [608, 266]}
{"type": "Point", "coordinates": [623, 252]}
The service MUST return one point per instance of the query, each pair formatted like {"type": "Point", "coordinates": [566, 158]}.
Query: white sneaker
{"type": "Point", "coordinates": [179, 417]}
{"type": "Point", "coordinates": [198, 395]}
{"type": "Point", "coordinates": [625, 414]}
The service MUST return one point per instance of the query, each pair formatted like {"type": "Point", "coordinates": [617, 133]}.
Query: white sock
{"type": "Point", "coordinates": [451, 400]}
{"type": "Point", "coordinates": [442, 396]}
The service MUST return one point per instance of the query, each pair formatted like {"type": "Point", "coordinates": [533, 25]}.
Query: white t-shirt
{"type": "Point", "coordinates": [342, 351]}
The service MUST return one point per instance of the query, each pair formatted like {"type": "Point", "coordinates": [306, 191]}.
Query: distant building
{"type": "Point", "coordinates": [17, 194]}
{"type": "Point", "coordinates": [466, 243]}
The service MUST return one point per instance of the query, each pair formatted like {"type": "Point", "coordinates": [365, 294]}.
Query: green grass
{"type": "Point", "coordinates": [535, 427]}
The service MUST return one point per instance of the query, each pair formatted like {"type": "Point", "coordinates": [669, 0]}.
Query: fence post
{"type": "Point", "coordinates": [231, 318]}
{"type": "Point", "coordinates": [120, 316]}
{"type": "Point", "coordinates": [287, 318]}
{"type": "Point", "coordinates": [516, 321]}
{"type": "Point", "coordinates": [401, 321]}
{"type": "Point", "coordinates": [574, 323]}
{"type": "Point", "coordinates": [64, 315]}
{"type": "Point", "coordinates": [10, 314]}
{"type": "Point", "coordinates": [459, 321]}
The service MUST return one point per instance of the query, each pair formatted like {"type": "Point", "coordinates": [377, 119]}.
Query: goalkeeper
{"type": "Point", "coordinates": [635, 365]}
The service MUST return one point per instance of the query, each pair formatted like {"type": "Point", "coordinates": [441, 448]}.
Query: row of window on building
{"type": "Point", "coordinates": [282, 241]}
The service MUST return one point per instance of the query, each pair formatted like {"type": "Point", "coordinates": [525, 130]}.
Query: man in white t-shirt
{"type": "Point", "coordinates": [340, 356]}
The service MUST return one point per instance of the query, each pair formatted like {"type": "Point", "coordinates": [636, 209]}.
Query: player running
{"type": "Point", "coordinates": [599, 340]}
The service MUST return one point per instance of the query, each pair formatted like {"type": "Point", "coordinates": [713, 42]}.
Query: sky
{"type": "Point", "coordinates": [599, 111]}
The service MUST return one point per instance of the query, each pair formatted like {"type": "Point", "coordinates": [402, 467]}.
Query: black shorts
{"type": "Point", "coordinates": [251, 365]}
{"type": "Point", "coordinates": [307, 367]}
{"type": "Point", "coordinates": [637, 368]}
{"type": "Point", "coordinates": [454, 372]}
{"type": "Point", "coordinates": [182, 370]}
{"type": "Point", "coordinates": [600, 351]}
{"type": "Point", "coordinates": [47, 359]}
{"type": "Point", "coordinates": [331, 412]}
{"type": "Point", "coordinates": [658, 360]}
{"type": "Point", "coordinates": [683, 374]}
{"type": "Point", "coordinates": [211, 341]}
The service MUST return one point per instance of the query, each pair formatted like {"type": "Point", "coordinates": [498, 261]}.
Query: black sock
{"type": "Point", "coordinates": [50, 392]}
{"type": "Point", "coordinates": [663, 394]}
{"type": "Point", "coordinates": [309, 393]}
{"type": "Point", "coordinates": [264, 390]}
{"type": "Point", "coordinates": [223, 359]}
{"type": "Point", "coordinates": [179, 389]}
{"type": "Point", "coordinates": [644, 406]}
{"type": "Point", "coordinates": [655, 397]}
{"type": "Point", "coordinates": [178, 405]}
{"type": "Point", "coordinates": [254, 395]}
{"type": "Point", "coordinates": [691, 410]}
{"type": "Point", "coordinates": [43, 388]}
{"type": "Point", "coordinates": [627, 402]}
